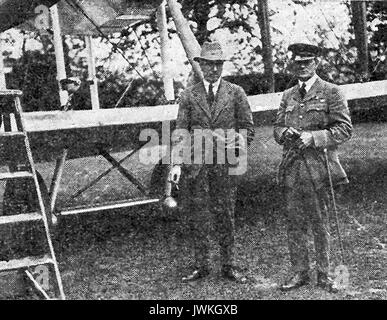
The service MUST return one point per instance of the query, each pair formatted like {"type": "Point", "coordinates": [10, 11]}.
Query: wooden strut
{"type": "Point", "coordinates": [93, 182]}
{"type": "Point", "coordinates": [3, 84]}
{"type": "Point", "coordinates": [37, 285]}
{"type": "Point", "coordinates": [166, 53]}
{"type": "Point", "coordinates": [124, 94]}
{"type": "Point", "coordinates": [57, 176]}
{"type": "Point", "coordinates": [59, 54]}
{"type": "Point", "coordinates": [187, 38]}
{"type": "Point", "coordinates": [109, 206]}
{"type": "Point", "coordinates": [92, 79]}
{"type": "Point", "coordinates": [123, 171]}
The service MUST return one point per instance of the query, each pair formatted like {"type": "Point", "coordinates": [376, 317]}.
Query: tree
{"type": "Point", "coordinates": [35, 74]}
{"type": "Point", "coordinates": [135, 52]}
{"type": "Point", "coordinates": [377, 19]}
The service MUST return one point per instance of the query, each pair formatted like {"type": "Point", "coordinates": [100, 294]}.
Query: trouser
{"type": "Point", "coordinates": [210, 202]}
{"type": "Point", "coordinates": [305, 206]}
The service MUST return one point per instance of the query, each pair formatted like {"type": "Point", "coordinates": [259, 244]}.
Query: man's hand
{"type": "Point", "coordinates": [233, 140]}
{"type": "Point", "coordinates": [290, 134]}
{"type": "Point", "coordinates": [174, 174]}
{"type": "Point", "coordinates": [305, 140]}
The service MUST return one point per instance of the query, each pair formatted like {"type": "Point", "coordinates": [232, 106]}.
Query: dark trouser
{"type": "Point", "coordinates": [209, 207]}
{"type": "Point", "coordinates": [306, 206]}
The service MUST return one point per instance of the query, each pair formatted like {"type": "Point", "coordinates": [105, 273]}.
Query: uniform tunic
{"type": "Point", "coordinates": [323, 112]}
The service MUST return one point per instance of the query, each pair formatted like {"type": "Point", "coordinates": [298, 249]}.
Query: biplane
{"type": "Point", "coordinates": [62, 135]}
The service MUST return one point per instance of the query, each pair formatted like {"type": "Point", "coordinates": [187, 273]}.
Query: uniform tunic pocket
{"type": "Point", "coordinates": [290, 117]}
{"type": "Point", "coordinates": [316, 113]}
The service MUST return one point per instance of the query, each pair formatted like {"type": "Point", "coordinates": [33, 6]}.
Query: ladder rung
{"type": "Point", "coordinates": [23, 217]}
{"type": "Point", "coordinates": [15, 175]}
{"type": "Point", "coordinates": [24, 263]}
{"type": "Point", "coordinates": [11, 93]}
{"type": "Point", "coordinates": [12, 134]}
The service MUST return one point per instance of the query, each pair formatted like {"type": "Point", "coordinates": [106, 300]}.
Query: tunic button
{"type": "Point", "coordinates": [300, 117]}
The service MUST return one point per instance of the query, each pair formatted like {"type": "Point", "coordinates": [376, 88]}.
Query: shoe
{"type": "Point", "coordinates": [296, 281]}
{"type": "Point", "coordinates": [196, 275]}
{"type": "Point", "coordinates": [324, 282]}
{"type": "Point", "coordinates": [231, 273]}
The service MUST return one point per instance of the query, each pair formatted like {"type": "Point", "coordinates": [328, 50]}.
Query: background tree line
{"type": "Point", "coordinates": [35, 72]}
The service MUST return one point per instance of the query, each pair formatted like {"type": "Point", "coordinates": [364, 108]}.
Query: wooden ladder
{"type": "Point", "coordinates": [40, 216]}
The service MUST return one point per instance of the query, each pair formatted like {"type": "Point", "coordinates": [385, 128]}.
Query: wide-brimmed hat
{"type": "Point", "coordinates": [211, 51]}
{"type": "Point", "coordinates": [304, 51]}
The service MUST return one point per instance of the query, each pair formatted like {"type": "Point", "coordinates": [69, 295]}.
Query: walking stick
{"type": "Point", "coordinates": [341, 271]}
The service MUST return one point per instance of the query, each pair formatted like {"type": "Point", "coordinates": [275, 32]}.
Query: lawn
{"type": "Point", "coordinates": [142, 253]}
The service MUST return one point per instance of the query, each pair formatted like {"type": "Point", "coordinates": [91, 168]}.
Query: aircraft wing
{"type": "Point", "coordinates": [78, 17]}
{"type": "Point", "coordinates": [84, 131]}
{"type": "Point", "coordinates": [80, 119]}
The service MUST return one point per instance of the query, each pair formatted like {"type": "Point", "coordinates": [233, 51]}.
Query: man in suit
{"type": "Point", "coordinates": [209, 187]}
{"type": "Point", "coordinates": [313, 118]}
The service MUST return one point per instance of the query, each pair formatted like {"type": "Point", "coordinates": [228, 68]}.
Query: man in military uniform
{"type": "Point", "coordinates": [313, 118]}
{"type": "Point", "coordinates": [208, 189]}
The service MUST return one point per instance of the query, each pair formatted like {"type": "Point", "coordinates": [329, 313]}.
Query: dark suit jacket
{"type": "Point", "coordinates": [324, 112]}
{"type": "Point", "coordinates": [230, 110]}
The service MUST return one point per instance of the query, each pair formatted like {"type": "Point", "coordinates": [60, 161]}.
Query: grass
{"type": "Point", "coordinates": [142, 253]}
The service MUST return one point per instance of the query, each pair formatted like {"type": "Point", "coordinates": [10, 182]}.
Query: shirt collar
{"type": "Point", "coordinates": [309, 83]}
{"type": "Point", "coordinates": [215, 85]}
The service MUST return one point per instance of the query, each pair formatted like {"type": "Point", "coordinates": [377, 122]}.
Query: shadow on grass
{"type": "Point", "coordinates": [368, 181]}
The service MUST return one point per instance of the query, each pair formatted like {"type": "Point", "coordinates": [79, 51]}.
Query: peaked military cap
{"type": "Point", "coordinates": [74, 80]}
{"type": "Point", "coordinates": [304, 51]}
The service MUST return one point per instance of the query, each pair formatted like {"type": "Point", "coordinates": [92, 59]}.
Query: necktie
{"type": "Point", "coordinates": [303, 90]}
{"type": "Point", "coordinates": [211, 96]}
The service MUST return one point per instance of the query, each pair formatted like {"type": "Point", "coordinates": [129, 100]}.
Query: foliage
{"type": "Point", "coordinates": [377, 18]}
{"type": "Point", "coordinates": [235, 24]}
{"type": "Point", "coordinates": [35, 74]}
{"type": "Point", "coordinates": [134, 55]}
{"type": "Point", "coordinates": [142, 92]}
{"type": "Point", "coordinates": [327, 25]}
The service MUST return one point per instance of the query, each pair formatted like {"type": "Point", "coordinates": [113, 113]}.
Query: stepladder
{"type": "Point", "coordinates": [40, 268]}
